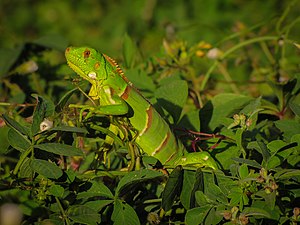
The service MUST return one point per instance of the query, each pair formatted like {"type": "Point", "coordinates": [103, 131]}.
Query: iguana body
{"type": "Point", "coordinates": [117, 96]}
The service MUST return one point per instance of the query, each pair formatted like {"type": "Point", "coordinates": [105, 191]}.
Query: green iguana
{"type": "Point", "coordinates": [117, 96]}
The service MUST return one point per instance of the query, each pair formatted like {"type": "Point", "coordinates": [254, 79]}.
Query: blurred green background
{"type": "Point", "coordinates": [102, 24]}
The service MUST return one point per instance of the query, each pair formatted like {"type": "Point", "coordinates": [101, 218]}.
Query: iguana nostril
{"type": "Point", "coordinates": [67, 50]}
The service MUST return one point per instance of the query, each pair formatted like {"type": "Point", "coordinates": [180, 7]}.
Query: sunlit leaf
{"type": "Point", "coordinates": [172, 97]}
{"type": "Point", "coordinates": [172, 188]}
{"type": "Point", "coordinates": [56, 190]}
{"type": "Point", "coordinates": [251, 211]}
{"type": "Point", "coordinates": [196, 215]}
{"type": "Point", "coordinates": [53, 41]}
{"type": "Point", "coordinates": [17, 140]}
{"type": "Point", "coordinates": [129, 51]}
{"type": "Point", "coordinates": [69, 129]}
{"type": "Point", "coordinates": [84, 215]}
{"type": "Point", "coordinates": [189, 178]}
{"type": "Point", "coordinates": [63, 101]}
{"type": "Point", "coordinates": [135, 177]}
{"type": "Point", "coordinates": [98, 204]}
{"type": "Point", "coordinates": [22, 130]}
{"type": "Point", "coordinates": [45, 168]}
{"type": "Point", "coordinates": [288, 127]}
{"type": "Point", "coordinates": [124, 214]}
{"type": "Point", "coordinates": [95, 189]}
{"type": "Point", "coordinates": [7, 58]}
{"type": "Point", "coordinates": [221, 106]}
{"type": "Point", "coordinates": [60, 149]}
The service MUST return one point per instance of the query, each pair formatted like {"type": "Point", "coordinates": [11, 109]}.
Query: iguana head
{"type": "Point", "coordinates": [88, 63]}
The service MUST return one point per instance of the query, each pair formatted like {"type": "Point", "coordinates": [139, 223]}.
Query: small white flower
{"type": "Point", "coordinates": [214, 53]}
{"type": "Point", "coordinates": [46, 125]}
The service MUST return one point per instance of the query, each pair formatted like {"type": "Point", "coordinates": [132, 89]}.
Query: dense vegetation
{"type": "Point", "coordinates": [226, 80]}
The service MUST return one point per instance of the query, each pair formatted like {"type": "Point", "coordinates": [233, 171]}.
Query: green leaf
{"type": "Point", "coordinates": [280, 151]}
{"type": "Point", "coordinates": [295, 108]}
{"type": "Point", "coordinates": [243, 171]}
{"type": "Point", "coordinates": [269, 198]}
{"type": "Point", "coordinates": [172, 188]}
{"type": "Point", "coordinates": [273, 162]}
{"type": "Point", "coordinates": [44, 109]}
{"type": "Point", "coordinates": [190, 120]}
{"type": "Point", "coordinates": [7, 59]}
{"type": "Point", "coordinates": [135, 177]}
{"type": "Point", "coordinates": [253, 106]}
{"type": "Point", "coordinates": [56, 190]}
{"type": "Point", "coordinates": [16, 126]}
{"type": "Point", "coordinates": [214, 216]}
{"type": "Point", "coordinates": [46, 169]}
{"type": "Point", "coordinates": [287, 174]}
{"type": "Point", "coordinates": [17, 95]}
{"type": "Point", "coordinates": [124, 214]}
{"type": "Point", "coordinates": [84, 215]}
{"type": "Point", "coordinates": [188, 183]}
{"type": "Point", "coordinates": [201, 198]}
{"type": "Point", "coordinates": [129, 51]}
{"type": "Point", "coordinates": [225, 158]}
{"type": "Point", "coordinates": [261, 148]}
{"type": "Point", "coordinates": [288, 127]}
{"type": "Point", "coordinates": [4, 142]}
{"type": "Point", "coordinates": [275, 146]}
{"type": "Point", "coordinates": [172, 97]}
{"type": "Point", "coordinates": [252, 211]}
{"type": "Point", "coordinates": [214, 193]}
{"type": "Point", "coordinates": [192, 183]}
{"type": "Point", "coordinates": [296, 138]}
{"type": "Point", "coordinates": [221, 106]}
{"type": "Point", "coordinates": [63, 101]}
{"type": "Point", "coordinates": [60, 149]}
{"type": "Point", "coordinates": [53, 221]}
{"type": "Point", "coordinates": [294, 159]}
{"type": "Point", "coordinates": [98, 205]}
{"type": "Point", "coordinates": [248, 162]}
{"type": "Point", "coordinates": [70, 129]}
{"type": "Point", "coordinates": [25, 170]}
{"type": "Point", "coordinates": [267, 211]}
{"type": "Point", "coordinates": [17, 140]}
{"type": "Point", "coordinates": [142, 81]}
{"type": "Point", "coordinates": [239, 139]}
{"type": "Point", "coordinates": [96, 189]}
{"type": "Point", "coordinates": [235, 195]}
{"type": "Point", "coordinates": [52, 41]}
{"type": "Point", "coordinates": [196, 215]}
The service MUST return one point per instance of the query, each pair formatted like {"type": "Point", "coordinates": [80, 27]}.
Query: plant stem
{"type": "Point", "coordinates": [228, 78]}
{"type": "Point", "coordinates": [21, 160]}
{"type": "Point", "coordinates": [231, 50]}
{"type": "Point", "coordinates": [62, 211]}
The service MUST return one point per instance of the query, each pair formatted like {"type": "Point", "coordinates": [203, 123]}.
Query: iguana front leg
{"type": "Point", "coordinates": [109, 104]}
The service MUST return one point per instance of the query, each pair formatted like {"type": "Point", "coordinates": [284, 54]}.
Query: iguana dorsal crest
{"type": "Point", "coordinates": [118, 69]}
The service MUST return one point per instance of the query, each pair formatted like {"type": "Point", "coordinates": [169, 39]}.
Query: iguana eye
{"type": "Point", "coordinates": [86, 53]}
{"type": "Point", "coordinates": [92, 75]}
